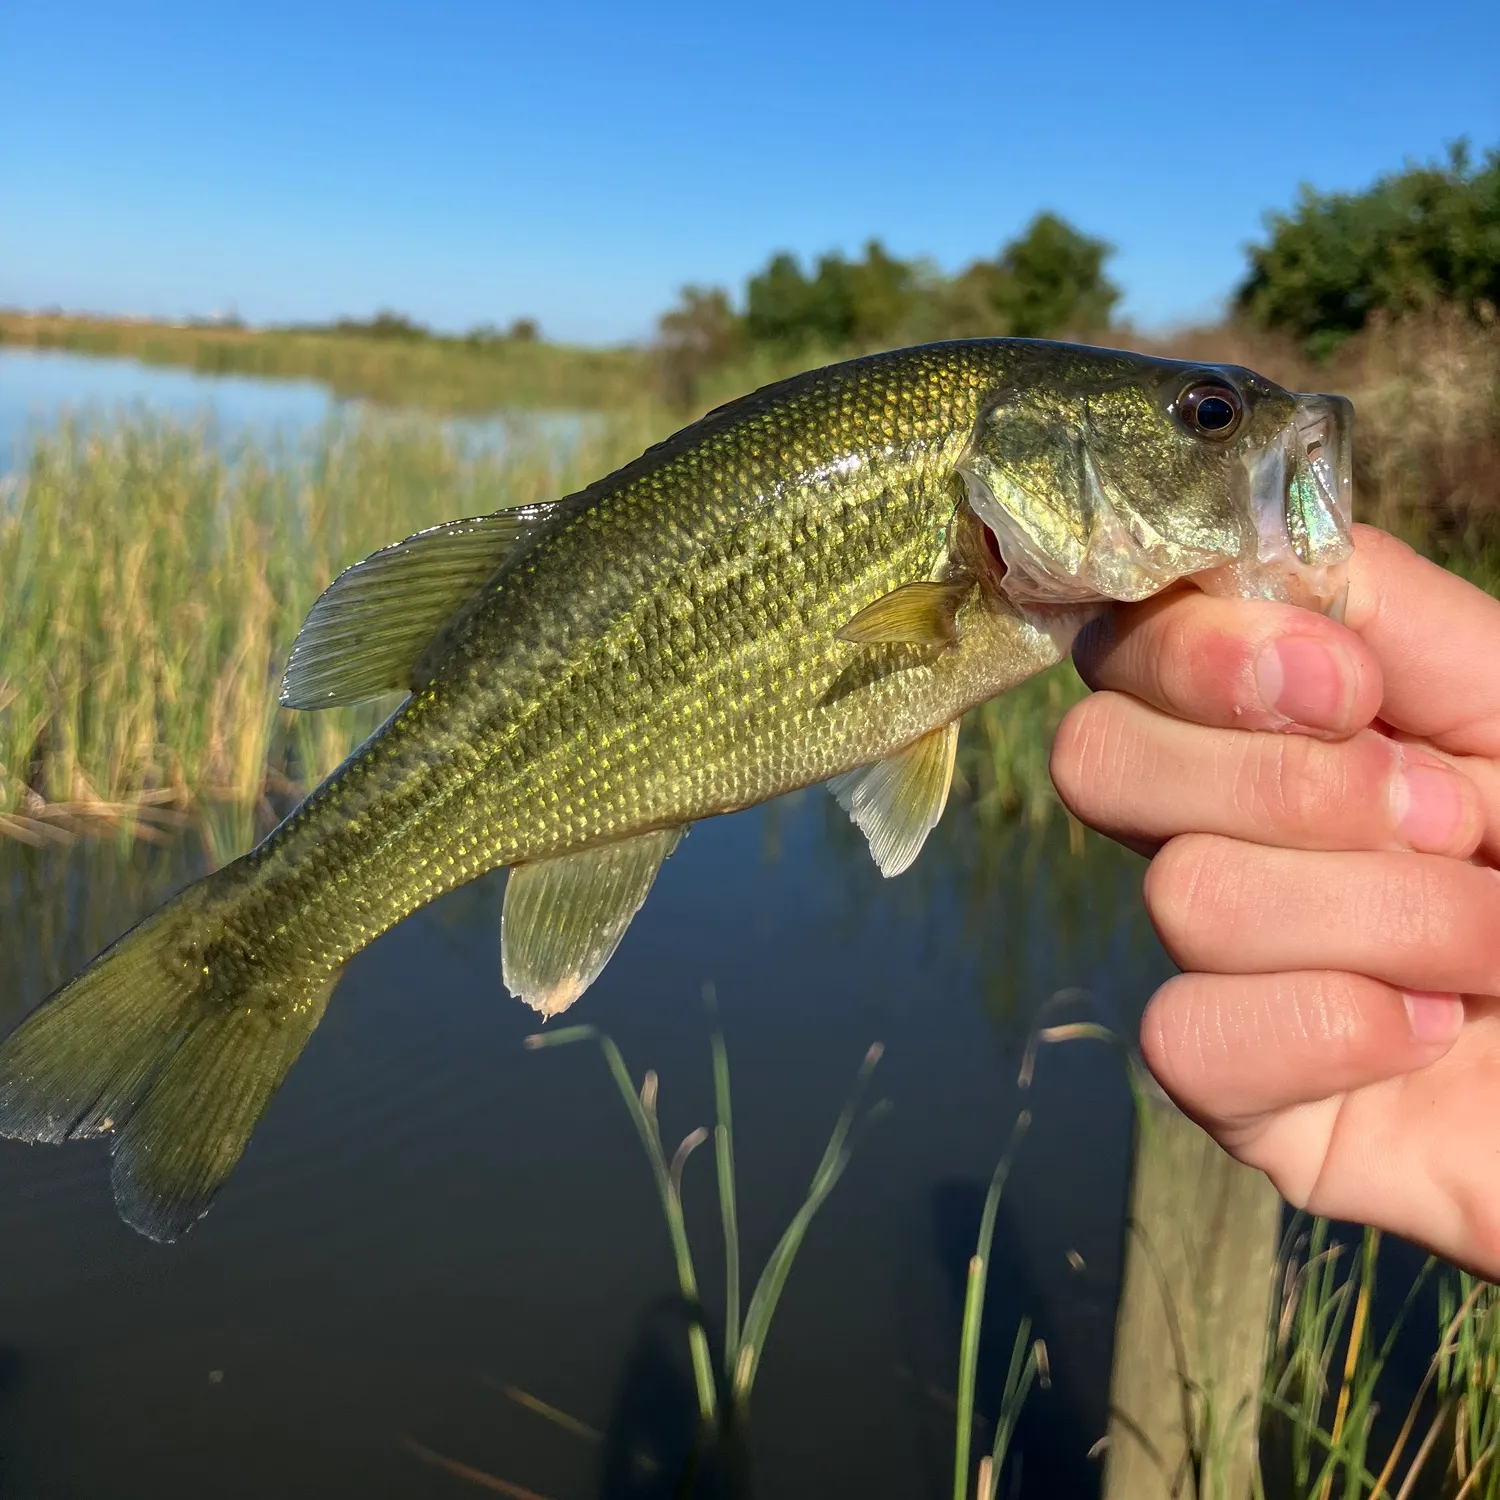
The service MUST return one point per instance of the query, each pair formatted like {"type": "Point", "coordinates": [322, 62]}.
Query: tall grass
{"type": "Point", "coordinates": [153, 585]}
{"type": "Point", "coordinates": [743, 1341]}
{"type": "Point", "coordinates": [1328, 1374]}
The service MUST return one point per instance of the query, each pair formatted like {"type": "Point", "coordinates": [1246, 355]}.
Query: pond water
{"type": "Point", "coordinates": [430, 1213]}
{"type": "Point", "coordinates": [432, 1218]}
{"type": "Point", "coordinates": [38, 385]}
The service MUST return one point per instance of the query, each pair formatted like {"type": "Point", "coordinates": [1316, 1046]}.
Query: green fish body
{"type": "Point", "coordinates": [811, 584]}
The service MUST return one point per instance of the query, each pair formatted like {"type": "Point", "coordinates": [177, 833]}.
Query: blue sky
{"type": "Point", "coordinates": [578, 162]}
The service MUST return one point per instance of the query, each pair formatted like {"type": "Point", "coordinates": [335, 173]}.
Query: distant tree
{"type": "Point", "coordinates": [700, 334]}
{"type": "Point", "coordinates": [1426, 234]}
{"type": "Point", "coordinates": [780, 306]}
{"type": "Point", "coordinates": [1050, 280]}
{"type": "Point", "coordinates": [384, 325]}
{"type": "Point", "coordinates": [882, 291]}
{"type": "Point", "coordinates": [524, 331]}
{"type": "Point", "coordinates": [862, 302]}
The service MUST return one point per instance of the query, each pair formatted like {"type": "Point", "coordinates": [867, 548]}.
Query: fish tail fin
{"type": "Point", "coordinates": [173, 1041]}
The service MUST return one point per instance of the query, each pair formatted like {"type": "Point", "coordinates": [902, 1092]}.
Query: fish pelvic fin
{"type": "Point", "coordinates": [564, 917]}
{"type": "Point", "coordinates": [168, 1046]}
{"type": "Point", "coordinates": [371, 628]}
{"type": "Point", "coordinates": [916, 614]}
{"type": "Point", "coordinates": [897, 802]}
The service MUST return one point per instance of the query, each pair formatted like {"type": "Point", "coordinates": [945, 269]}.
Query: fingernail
{"type": "Point", "coordinates": [1306, 682]}
{"type": "Point", "coordinates": [1428, 806]}
{"type": "Point", "coordinates": [1434, 1018]}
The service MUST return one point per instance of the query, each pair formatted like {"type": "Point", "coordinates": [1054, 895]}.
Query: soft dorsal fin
{"type": "Point", "coordinates": [371, 624]}
{"type": "Point", "coordinates": [916, 614]}
{"type": "Point", "coordinates": [563, 918]}
{"type": "Point", "coordinates": [896, 802]}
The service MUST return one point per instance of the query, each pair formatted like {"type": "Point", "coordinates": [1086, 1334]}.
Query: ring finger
{"type": "Point", "coordinates": [1415, 921]}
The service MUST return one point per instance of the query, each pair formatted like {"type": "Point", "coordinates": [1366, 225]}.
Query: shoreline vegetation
{"type": "Point", "coordinates": [461, 376]}
{"type": "Point", "coordinates": [203, 560]}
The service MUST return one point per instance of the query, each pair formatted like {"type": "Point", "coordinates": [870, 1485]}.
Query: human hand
{"type": "Point", "coordinates": [1323, 807]}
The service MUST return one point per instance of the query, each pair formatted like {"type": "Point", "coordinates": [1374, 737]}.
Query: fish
{"type": "Point", "coordinates": [813, 583]}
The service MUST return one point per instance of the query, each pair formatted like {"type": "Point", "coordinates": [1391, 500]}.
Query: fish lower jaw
{"type": "Point", "coordinates": [1323, 590]}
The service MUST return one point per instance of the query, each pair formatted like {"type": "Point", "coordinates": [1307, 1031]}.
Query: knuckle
{"type": "Point", "coordinates": [1187, 884]}
{"type": "Point", "coordinates": [1305, 785]}
{"type": "Point", "coordinates": [1171, 663]}
{"type": "Point", "coordinates": [1440, 915]}
{"type": "Point", "coordinates": [1086, 753]}
{"type": "Point", "coordinates": [1072, 751]}
{"type": "Point", "coordinates": [1172, 1042]}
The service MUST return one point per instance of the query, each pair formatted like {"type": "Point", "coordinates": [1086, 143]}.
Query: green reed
{"type": "Point", "coordinates": [1027, 1358]}
{"type": "Point", "coordinates": [153, 584]}
{"type": "Point", "coordinates": [727, 1393]}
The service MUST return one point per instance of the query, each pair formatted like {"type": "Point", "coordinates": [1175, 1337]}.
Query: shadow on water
{"type": "Point", "coordinates": [653, 1447]}
{"type": "Point", "coordinates": [11, 1370]}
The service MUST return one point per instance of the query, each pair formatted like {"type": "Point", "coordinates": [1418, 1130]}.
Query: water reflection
{"type": "Point", "coordinates": [279, 415]}
{"type": "Point", "coordinates": [425, 1199]}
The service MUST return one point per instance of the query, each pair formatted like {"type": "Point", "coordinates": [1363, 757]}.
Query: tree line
{"type": "Point", "coordinates": [1427, 234]}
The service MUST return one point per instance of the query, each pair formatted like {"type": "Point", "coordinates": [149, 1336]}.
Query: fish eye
{"type": "Point", "coordinates": [1212, 411]}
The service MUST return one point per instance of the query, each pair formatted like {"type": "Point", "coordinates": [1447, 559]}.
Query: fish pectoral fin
{"type": "Point", "coordinates": [563, 918]}
{"type": "Point", "coordinates": [897, 802]}
{"type": "Point", "coordinates": [369, 628]}
{"type": "Point", "coordinates": [916, 614]}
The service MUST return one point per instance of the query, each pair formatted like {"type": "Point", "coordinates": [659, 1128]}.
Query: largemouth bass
{"type": "Point", "coordinates": [811, 584]}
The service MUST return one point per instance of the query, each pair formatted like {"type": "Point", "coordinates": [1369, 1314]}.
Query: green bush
{"type": "Point", "coordinates": [1415, 238]}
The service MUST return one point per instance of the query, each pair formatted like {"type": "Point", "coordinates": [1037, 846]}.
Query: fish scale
{"type": "Point", "coordinates": [811, 584]}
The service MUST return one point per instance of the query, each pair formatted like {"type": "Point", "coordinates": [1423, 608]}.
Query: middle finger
{"type": "Point", "coordinates": [1143, 776]}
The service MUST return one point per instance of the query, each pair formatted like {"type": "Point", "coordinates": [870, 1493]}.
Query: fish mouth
{"type": "Point", "coordinates": [1301, 495]}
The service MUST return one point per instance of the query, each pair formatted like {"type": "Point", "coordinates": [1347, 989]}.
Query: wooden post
{"type": "Point", "coordinates": [1190, 1333]}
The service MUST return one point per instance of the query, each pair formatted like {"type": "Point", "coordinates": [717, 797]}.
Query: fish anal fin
{"type": "Point", "coordinates": [564, 917]}
{"type": "Point", "coordinates": [897, 802]}
{"type": "Point", "coordinates": [371, 626]}
{"type": "Point", "coordinates": [916, 614]}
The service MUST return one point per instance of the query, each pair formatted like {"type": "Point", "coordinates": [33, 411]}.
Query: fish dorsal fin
{"type": "Point", "coordinates": [563, 918]}
{"type": "Point", "coordinates": [370, 626]}
{"type": "Point", "coordinates": [916, 614]}
{"type": "Point", "coordinates": [896, 802]}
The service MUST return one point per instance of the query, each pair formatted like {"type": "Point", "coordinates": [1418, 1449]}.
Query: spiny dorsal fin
{"type": "Point", "coordinates": [896, 802]}
{"type": "Point", "coordinates": [916, 614]}
{"type": "Point", "coordinates": [563, 918]}
{"type": "Point", "coordinates": [369, 627]}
